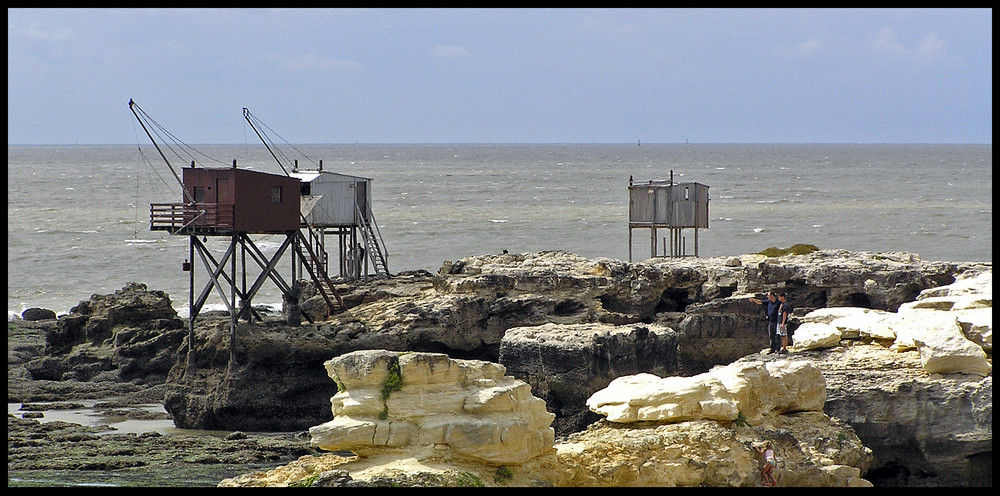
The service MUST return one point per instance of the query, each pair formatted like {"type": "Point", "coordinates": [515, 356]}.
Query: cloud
{"type": "Point", "coordinates": [447, 51]}
{"type": "Point", "coordinates": [928, 52]}
{"type": "Point", "coordinates": [805, 49]}
{"type": "Point", "coordinates": [35, 32]}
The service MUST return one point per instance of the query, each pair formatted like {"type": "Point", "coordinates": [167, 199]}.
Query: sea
{"type": "Point", "coordinates": [78, 215]}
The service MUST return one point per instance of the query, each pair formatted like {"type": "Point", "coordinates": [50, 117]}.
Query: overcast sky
{"type": "Point", "coordinates": [503, 75]}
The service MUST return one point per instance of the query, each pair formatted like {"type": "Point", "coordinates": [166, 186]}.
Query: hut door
{"type": "Point", "coordinates": [361, 197]}
{"type": "Point", "coordinates": [224, 208]}
{"type": "Point", "coordinates": [223, 190]}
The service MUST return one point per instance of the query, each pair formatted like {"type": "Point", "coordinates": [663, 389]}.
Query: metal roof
{"type": "Point", "coordinates": [307, 176]}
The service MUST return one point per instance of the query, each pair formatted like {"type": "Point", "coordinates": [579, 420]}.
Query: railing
{"type": "Point", "coordinates": [320, 258]}
{"type": "Point", "coordinates": [191, 217]}
{"type": "Point", "coordinates": [374, 243]}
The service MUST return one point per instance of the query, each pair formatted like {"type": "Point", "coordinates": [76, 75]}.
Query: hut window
{"type": "Point", "coordinates": [199, 194]}
{"type": "Point", "coordinates": [687, 193]}
{"type": "Point", "coordinates": [275, 194]}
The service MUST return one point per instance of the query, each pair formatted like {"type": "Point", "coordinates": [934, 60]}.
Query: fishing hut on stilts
{"type": "Point", "coordinates": [234, 203]}
{"type": "Point", "coordinates": [337, 205]}
{"type": "Point", "coordinates": [657, 205]}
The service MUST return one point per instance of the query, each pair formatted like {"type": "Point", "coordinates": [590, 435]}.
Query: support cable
{"type": "Point", "coordinates": [261, 129]}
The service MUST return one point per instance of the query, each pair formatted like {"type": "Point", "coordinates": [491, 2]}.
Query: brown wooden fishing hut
{"type": "Point", "coordinates": [226, 200]}
{"type": "Point", "coordinates": [237, 203]}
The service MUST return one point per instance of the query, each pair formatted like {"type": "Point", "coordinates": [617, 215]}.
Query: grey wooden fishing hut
{"type": "Point", "coordinates": [341, 205]}
{"type": "Point", "coordinates": [667, 205]}
{"type": "Point", "coordinates": [333, 204]}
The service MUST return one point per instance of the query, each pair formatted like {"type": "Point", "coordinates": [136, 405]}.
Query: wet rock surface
{"type": "Point", "coordinates": [43, 452]}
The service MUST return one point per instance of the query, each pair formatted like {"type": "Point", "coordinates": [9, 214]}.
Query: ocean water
{"type": "Point", "coordinates": [77, 216]}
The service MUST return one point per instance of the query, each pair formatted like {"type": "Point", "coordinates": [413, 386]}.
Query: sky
{"type": "Point", "coordinates": [503, 75]}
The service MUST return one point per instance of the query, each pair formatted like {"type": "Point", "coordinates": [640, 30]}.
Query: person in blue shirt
{"type": "Point", "coordinates": [783, 315]}
{"type": "Point", "coordinates": [773, 312]}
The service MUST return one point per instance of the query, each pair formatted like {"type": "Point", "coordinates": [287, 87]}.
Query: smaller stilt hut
{"type": "Point", "coordinates": [671, 206]}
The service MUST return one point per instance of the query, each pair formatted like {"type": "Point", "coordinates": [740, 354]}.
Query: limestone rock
{"type": "Point", "coordinates": [923, 429]}
{"type": "Point", "coordinates": [431, 404]}
{"type": "Point", "coordinates": [977, 326]}
{"type": "Point", "coordinates": [754, 390]}
{"type": "Point", "coordinates": [566, 363]}
{"type": "Point", "coordinates": [646, 397]}
{"type": "Point", "coordinates": [129, 335]}
{"type": "Point", "coordinates": [830, 314]}
{"type": "Point", "coordinates": [950, 352]}
{"type": "Point", "coordinates": [681, 438]}
{"type": "Point", "coordinates": [783, 398]}
{"type": "Point", "coordinates": [813, 449]}
{"type": "Point", "coordinates": [951, 326]}
{"type": "Point", "coordinates": [816, 335]}
{"type": "Point", "coordinates": [870, 324]}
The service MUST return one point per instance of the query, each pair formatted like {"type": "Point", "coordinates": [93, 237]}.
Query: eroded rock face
{"type": "Point", "coordinates": [566, 363]}
{"type": "Point", "coordinates": [923, 429]}
{"type": "Point", "coordinates": [814, 450]}
{"type": "Point", "coordinates": [916, 384]}
{"type": "Point", "coordinates": [466, 308]}
{"type": "Point", "coordinates": [129, 335]}
{"type": "Point", "coordinates": [432, 405]}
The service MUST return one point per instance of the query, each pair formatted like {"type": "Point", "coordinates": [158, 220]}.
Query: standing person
{"type": "Point", "coordinates": [773, 315]}
{"type": "Point", "coordinates": [350, 262]}
{"type": "Point", "coordinates": [770, 463]}
{"type": "Point", "coordinates": [361, 259]}
{"type": "Point", "coordinates": [785, 312]}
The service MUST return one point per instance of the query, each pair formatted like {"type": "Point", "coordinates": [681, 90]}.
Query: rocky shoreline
{"type": "Point", "coordinates": [672, 317]}
{"type": "Point", "coordinates": [43, 453]}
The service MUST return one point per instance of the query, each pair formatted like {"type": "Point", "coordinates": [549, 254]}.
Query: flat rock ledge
{"type": "Point", "coordinates": [425, 419]}
{"type": "Point", "coordinates": [951, 327]}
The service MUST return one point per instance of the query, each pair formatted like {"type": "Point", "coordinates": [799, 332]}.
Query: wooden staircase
{"type": "Point", "coordinates": [315, 260]}
{"type": "Point", "coordinates": [374, 245]}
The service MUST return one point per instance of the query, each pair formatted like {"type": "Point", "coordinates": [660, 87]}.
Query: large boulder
{"type": "Point", "coordinates": [430, 406]}
{"type": "Point", "coordinates": [813, 450]}
{"type": "Point", "coordinates": [750, 390]}
{"type": "Point", "coordinates": [677, 418]}
{"type": "Point", "coordinates": [33, 314]}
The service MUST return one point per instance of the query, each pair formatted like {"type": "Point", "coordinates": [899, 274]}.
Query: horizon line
{"type": "Point", "coordinates": [551, 143]}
